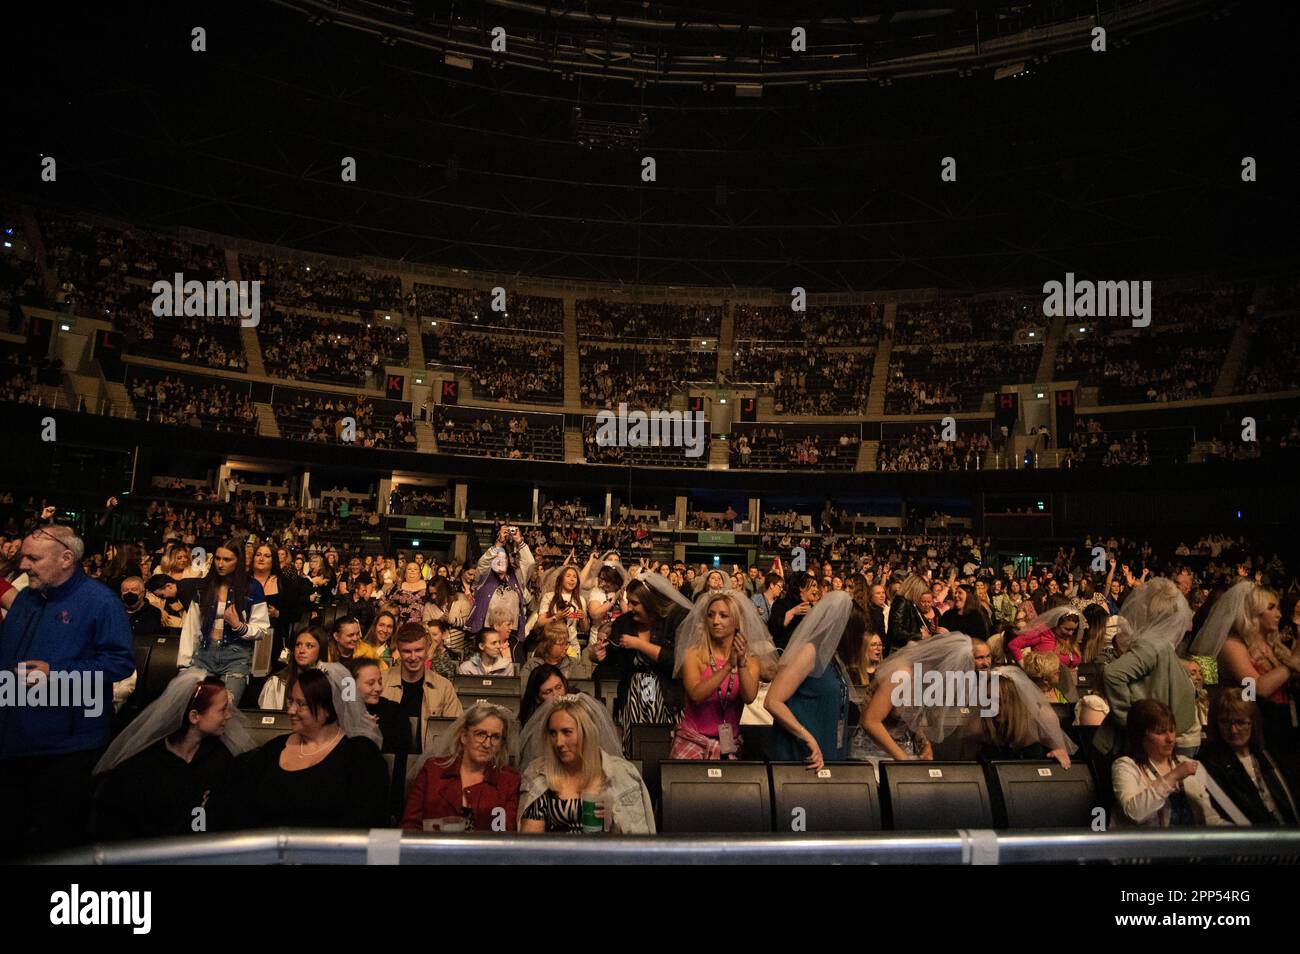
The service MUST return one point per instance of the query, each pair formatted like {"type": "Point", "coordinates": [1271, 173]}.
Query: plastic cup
{"type": "Point", "coordinates": [591, 824]}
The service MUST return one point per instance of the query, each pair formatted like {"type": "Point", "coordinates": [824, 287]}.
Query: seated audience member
{"type": "Point", "coordinates": [422, 693]}
{"type": "Point", "coordinates": [470, 776]}
{"type": "Point", "coordinates": [555, 648]}
{"type": "Point", "coordinates": [1045, 670]}
{"type": "Point", "coordinates": [378, 638]}
{"type": "Point", "coordinates": [394, 727]}
{"type": "Point", "coordinates": [1154, 787]}
{"type": "Point", "coordinates": [1202, 697]}
{"type": "Point", "coordinates": [720, 673]}
{"type": "Point", "coordinates": [545, 682]}
{"type": "Point", "coordinates": [576, 763]}
{"type": "Point", "coordinates": [493, 656]}
{"type": "Point", "coordinates": [327, 773]}
{"type": "Point", "coordinates": [345, 641]}
{"type": "Point", "coordinates": [997, 649]}
{"type": "Point", "coordinates": [441, 659]}
{"type": "Point", "coordinates": [145, 619]}
{"type": "Point", "coordinates": [1238, 760]}
{"type": "Point", "coordinates": [167, 763]}
{"type": "Point", "coordinates": [307, 648]}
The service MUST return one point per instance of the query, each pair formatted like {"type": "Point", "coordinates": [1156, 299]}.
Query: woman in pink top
{"type": "Point", "coordinates": [1056, 631]}
{"type": "Point", "coordinates": [718, 649]}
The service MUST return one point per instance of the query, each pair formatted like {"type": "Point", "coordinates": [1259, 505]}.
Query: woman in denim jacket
{"type": "Point", "coordinates": [226, 619]}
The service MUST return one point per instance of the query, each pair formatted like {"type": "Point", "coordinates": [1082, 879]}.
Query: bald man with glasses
{"type": "Point", "coordinates": [63, 629]}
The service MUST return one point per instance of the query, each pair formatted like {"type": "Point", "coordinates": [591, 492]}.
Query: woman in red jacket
{"type": "Point", "coordinates": [470, 778]}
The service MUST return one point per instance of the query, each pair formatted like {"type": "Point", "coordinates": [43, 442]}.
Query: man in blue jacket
{"type": "Point", "coordinates": [65, 642]}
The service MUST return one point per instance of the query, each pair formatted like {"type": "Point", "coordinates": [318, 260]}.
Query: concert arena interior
{"type": "Point", "coordinates": [862, 435]}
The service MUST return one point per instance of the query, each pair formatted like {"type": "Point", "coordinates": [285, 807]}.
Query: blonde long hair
{"type": "Point", "coordinates": [1247, 625]}
{"type": "Point", "coordinates": [593, 773]}
{"type": "Point", "coordinates": [705, 651]}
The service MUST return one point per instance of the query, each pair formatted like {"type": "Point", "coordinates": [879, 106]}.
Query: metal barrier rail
{"type": "Point", "coordinates": [966, 847]}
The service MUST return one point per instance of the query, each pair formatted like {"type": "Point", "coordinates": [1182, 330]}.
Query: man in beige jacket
{"type": "Point", "coordinates": [417, 689]}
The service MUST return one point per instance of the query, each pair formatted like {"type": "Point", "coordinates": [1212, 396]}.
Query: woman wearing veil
{"type": "Point", "coordinates": [639, 654]}
{"type": "Point", "coordinates": [809, 698]}
{"type": "Point", "coordinates": [170, 760]}
{"type": "Point", "coordinates": [1149, 668]}
{"type": "Point", "coordinates": [327, 773]}
{"type": "Point", "coordinates": [469, 774]}
{"type": "Point", "coordinates": [1060, 631]}
{"type": "Point", "coordinates": [719, 646]}
{"type": "Point", "coordinates": [897, 706]}
{"type": "Point", "coordinates": [1025, 726]}
{"type": "Point", "coordinates": [579, 754]}
{"type": "Point", "coordinates": [1242, 634]}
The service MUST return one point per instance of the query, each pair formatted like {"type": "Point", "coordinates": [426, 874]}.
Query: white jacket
{"type": "Point", "coordinates": [1143, 800]}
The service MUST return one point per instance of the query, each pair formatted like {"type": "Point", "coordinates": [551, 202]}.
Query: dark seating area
{"type": "Point", "coordinates": [502, 366]}
{"type": "Point", "coordinates": [814, 447]}
{"type": "Point", "coordinates": [481, 432]}
{"type": "Point", "coordinates": [322, 287]}
{"type": "Point", "coordinates": [314, 416]}
{"type": "Point", "coordinates": [331, 350]}
{"type": "Point", "coordinates": [1098, 443]}
{"type": "Point", "coordinates": [642, 377]}
{"type": "Point", "coordinates": [807, 380]}
{"type": "Point", "coordinates": [211, 403]}
{"type": "Point", "coordinates": [922, 448]}
{"type": "Point", "coordinates": [654, 455]}
{"type": "Point", "coordinates": [621, 321]}
{"type": "Point", "coordinates": [955, 377]}
{"type": "Point", "coordinates": [473, 309]}
{"type": "Point", "coordinates": [818, 325]}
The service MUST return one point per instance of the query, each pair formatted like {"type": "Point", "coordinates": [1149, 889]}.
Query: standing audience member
{"type": "Point", "coordinates": [225, 621]}
{"type": "Point", "coordinates": [720, 671]}
{"type": "Point", "coordinates": [809, 698]}
{"type": "Point", "coordinates": [63, 624]}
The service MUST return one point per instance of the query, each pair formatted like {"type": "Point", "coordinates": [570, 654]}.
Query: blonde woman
{"type": "Point", "coordinates": [1045, 670]}
{"type": "Point", "coordinates": [1242, 633]}
{"type": "Point", "coordinates": [720, 674]}
{"type": "Point", "coordinates": [578, 760]}
{"type": "Point", "coordinates": [469, 776]}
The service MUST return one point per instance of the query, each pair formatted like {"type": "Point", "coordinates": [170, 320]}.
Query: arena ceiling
{"type": "Point", "coordinates": [773, 167]}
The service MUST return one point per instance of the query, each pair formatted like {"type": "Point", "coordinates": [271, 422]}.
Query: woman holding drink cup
{"type": "Point", "coordinates": [578, 783]}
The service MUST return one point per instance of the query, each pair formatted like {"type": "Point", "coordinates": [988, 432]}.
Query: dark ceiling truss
{"type": "Point", "coordinates": [694, 47]}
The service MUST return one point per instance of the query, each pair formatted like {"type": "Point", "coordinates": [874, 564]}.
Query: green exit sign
{"type": "Point", "coordinates": [714, 536]}
{"type": "Point", "coordinates": [424, 523]}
